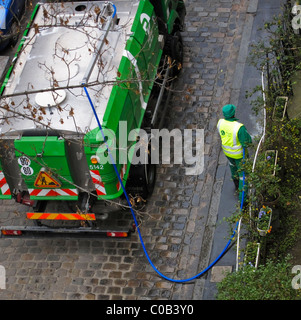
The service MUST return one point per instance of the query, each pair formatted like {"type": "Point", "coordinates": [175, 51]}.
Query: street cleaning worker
{"type": "Point", "coordinates": [235, 138]}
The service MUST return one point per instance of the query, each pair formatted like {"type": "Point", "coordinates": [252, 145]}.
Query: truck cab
{"type": "Point", "coordinates": [10, 14]}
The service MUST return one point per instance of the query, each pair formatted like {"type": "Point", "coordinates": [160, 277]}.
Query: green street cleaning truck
{"type": "Point", "coordinates": [53, 156]}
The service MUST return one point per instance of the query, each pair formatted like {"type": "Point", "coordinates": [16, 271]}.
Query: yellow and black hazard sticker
{"type": "Point", "coordinates": [46, 180]}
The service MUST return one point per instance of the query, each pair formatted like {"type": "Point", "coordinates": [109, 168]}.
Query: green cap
{"type": "Point", "coordinates": [229, 110]}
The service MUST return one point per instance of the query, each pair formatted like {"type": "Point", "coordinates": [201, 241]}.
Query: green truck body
{"type": "Point", "coordinates": [51, 143]}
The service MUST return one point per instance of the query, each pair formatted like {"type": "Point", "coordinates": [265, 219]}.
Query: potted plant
{"type": "Point", "coordinates": [252, 254]}
{"type": "Point", "coordinates": [267, 187]}
{"type": "Point", "coordinates": [264, 221]}
{"type": "Point", "coordinates": [280, 108]}
{"type": "Point", "coordinates": [271, 157]}
{"type": "Point", "coordinates": [269, 196]}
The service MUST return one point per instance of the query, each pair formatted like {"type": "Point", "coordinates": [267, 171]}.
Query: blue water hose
{"type": "Point", "coordinates": [114, 13]}
{"type": "Point", "coordinates": [133, 213]}
{"type": "Point", "coordinates": [134, 216]}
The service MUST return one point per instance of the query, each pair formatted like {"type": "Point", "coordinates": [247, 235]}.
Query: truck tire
{"type": "Point", "coordinates": [142, 179]}
{"type": "Point", "coordinates": [15, 32]}
{"type": "Point", "coordinates": [150, 178]}
{"type": "Point", "coordinates": [174, 48]}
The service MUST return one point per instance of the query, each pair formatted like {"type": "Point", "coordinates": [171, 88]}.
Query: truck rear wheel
{"type": "Point", "coordinates": [174, 48]}
{"type": "Point", "coordinates": [142, 178]}
{"type": "Point", "coordinates": [15, 32]}
{"type": "Point", "coordinates": [150, 178]}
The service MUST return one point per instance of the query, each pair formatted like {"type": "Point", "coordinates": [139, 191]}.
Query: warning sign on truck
{"type": "Point", "coordinates": [46, 180]}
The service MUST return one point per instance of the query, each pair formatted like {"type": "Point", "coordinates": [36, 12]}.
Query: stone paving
{"type": "Point", "coordinates": [178, 224]}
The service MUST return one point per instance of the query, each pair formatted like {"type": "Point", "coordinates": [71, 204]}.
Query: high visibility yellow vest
{"type": "Point", "coordinates": [231, 145]}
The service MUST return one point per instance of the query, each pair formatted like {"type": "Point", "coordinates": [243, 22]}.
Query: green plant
{"type": "Point", "coordinates": [271, 281]}
{"type": "Point", "coordinates": [283, 238]}
{"type": "Point", "coordinates": [275, 175]}
{"type": "Point", "coordinates": [265, 185]}
{"type": "Point", "coordinates": [285, 136]}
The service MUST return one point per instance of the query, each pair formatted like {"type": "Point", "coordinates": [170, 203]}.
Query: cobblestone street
{"type": "Point", "coordinates": [180, 219]}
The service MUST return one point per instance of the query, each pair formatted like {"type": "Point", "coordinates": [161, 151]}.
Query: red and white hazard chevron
{"type": "Point", "coordinates": [4, 185]}
{"type": "Point", "coordinates": [53, 192]}
{"type": "Point", "coordinates": [99, 186]}
{"type": "Point", "coordinates": [60, 216]}
{"type": "Point", "coordinates": [122, 173]}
